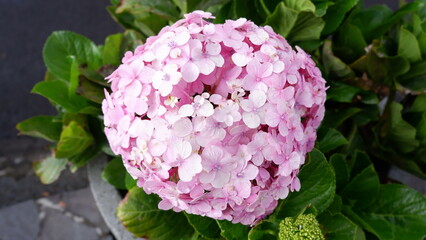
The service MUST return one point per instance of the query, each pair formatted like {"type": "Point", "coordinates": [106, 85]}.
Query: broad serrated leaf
{"type": "Point", "coordinates": [363, 188]}
{"type": "Point", "coordinates": [79, 160]}
{"type": "Point", "coordinates": [232, 231]}
{"type": "Point", "coordinates": [57, 92]}
{"type": "Point", "coordinates": [111, 53]}
{"type": "Point", "coordinates": [329, 139]}
{"type": "Point", "coordinates": [397, 133]}
{"type": "Point", "coordinates": [408, 46]}
{"type": "Point", "coordinates": [205, 226]}
{"type": "Point", "coordinates": [369, 20]}
{"type": "Point", "coordinates": [300, 5]}
{"type": "Point", "coordinates": [398, 213]}
{"type": "Point", "coordinates": [90, 90]}
{"type": "Point", "coordinates": [74, 140]}
{"type": "Point", "coordinates": [139, 213]}
{"type": "Point", "coordinates": [49, 169]}
{"type": "Point", "coordinates": [341, 169]}
{"type": "Point", "coordinates": [283, 19]}
{"type": "Point", "coordinates": [318, 186]}
{"type": "Point", "coordinates": [334, 117]}
{"type": "Point", "coordinates": [41, 126]}
{"type": "Point", "coordinates": [115, 174]}
{"type": "Point", "coordinates": [334, 67]}
{"type": "Point", "coordinates": [348, 43]}
{"type": "Point", "coordinates": [61, 45]}
{"type": "Point", "coordinates": [338, 227]}
{"type": "Point", "coordinates": [335, 15]}
{"type": "Point", "coordinates": [307, 27]}
{"type": "Point", "coordinates": [264, 230]}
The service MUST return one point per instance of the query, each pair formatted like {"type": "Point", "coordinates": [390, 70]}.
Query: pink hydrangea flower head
{"type": "Point", "coordinates": [216, 119]}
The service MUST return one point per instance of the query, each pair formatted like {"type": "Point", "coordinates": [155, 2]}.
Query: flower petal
{"type": "Point", "coordinates": [190, 72]}
{"type": "Point", "coordinates": [182, 127]}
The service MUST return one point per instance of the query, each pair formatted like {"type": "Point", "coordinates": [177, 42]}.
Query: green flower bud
{"type": "Point", "coordinates": [304, 227]}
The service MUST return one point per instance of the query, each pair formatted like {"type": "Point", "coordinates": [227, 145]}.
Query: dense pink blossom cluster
{"type": "Point", "coordinates": [215, 118]}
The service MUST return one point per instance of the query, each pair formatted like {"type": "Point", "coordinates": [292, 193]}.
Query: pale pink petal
{"type": "Point", "coordinates": [190, 167]}
{"type": "Point", "coordinates": [162, 52]}
{"type": "Point", "coordinates": [288, 93]}
{"type": "Point", "coordinates": [282, 127]}
{"type": "Point", "coordinates": [258, 98]}
{"type": "Point", "coordinates": [218, 60]}
{"type": "Point", "coordinates": [246, 105]}
{"type": "Point", "coordinates": [124, 124]}
{"type": "Point", "coordinates": [186, 110]}
{"type": "Point", "coordinates": [213, 48]}
{"type": "Point", "coordinates": [292, 79]}
{"type": "Point", "coordinates": [240, 59]}
{"type": "Point", "coordinates": [206, 110]}
{"type": "Point", "coordinates": [251, 119]}
{"type": "Point", "coordinates": [157, 147]}
{"type": "Point", "coordinates": [190, 72]}
{"type": "Point", "coordinates": [206, 66]}
{"type": "Point", "coordinates": [278, 66]}
{"type": "Point", "coordinates": [221, 178]}
{"type": "Point", "coordinates": [182, 38]}
{"type": "Point", "coordinates": [250, 172]}
{"type": "Point", "coordinates": [182, 127]}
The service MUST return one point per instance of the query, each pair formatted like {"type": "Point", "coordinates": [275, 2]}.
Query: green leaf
{"type": "Point", "coordinates": [369, 20]}
{"type": "Point", "coordinates": [339, 227]}
{"type": "Point", "coordinates": [381, 69]}
{"type": "Point", "coordinates": [61, 45]}
{"type": "Point", "coordinates": [283, 19]}
{"type": "Point", "coordinates": [205, 226]}
{"type": "Point", "coordinates": [139, 213]}
{"type": "Point", "coordinates": [307, 27]}
{"type": "Point", "coordinates": [115, 174]}
{"type": "Point", "coordinates": [415, 79]}
{"type": "Point", "coordinates": [419, 104]}
{"type": "Point", "coordinates": [341, 92]}
{"type": "Point", "coordinates": [318, 186]}
{"type": "Point", "coordinates": [335, 15]}
{"type": "Point", "coordinates": [207, 5]}
{"type": "Point", "coordinates": [341, 169]}
{"type": "Point", "coordinates": [408, 46]}
{"type": "Point", "coordinates": [112, 53]}
{"type": "Point", "coordinates": [422, 42]}
{"type": "Point", "coordinates": [264, 230]}
{"type": "Point", "coordinates": [363, 188]}
{"type": "Point", "coordinates": [90, 90]}
{"type": "Point", "coordinates": [334, 117]}
{"type": "Point", "coordinates": [232, 231]}
{"type": "Point", "coordinates": [336, 205]}
{"type": "Point", "coordinates": [49, 169]}
{"type": "Point", "coordinates": [144, 8]}
{"type": "Point", "coordinates": [348, 43]}
{"type": "Point", "coordinates": [41, 126]}
{"type": "Point", "coordinates": [74, 140]}
{"type": "Point", "coordinates": [398, 133]}
{"type": "Point", "coordinates": [73, 77]}
{"type": "Point", "coordinates": [329, 139]}
{"type": "Point", "coordinates": [333, 65]}
{"type": "Point", "coordinates": [300, 5]}
{"type": "Point", "coordinates": [79, 160]}
{"type": "Point", "coordinates": [399, 213]}
{"type": "Point", "coordinates": [57, 92]}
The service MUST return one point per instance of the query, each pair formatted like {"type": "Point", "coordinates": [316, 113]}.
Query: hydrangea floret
{"type": "Point", "coordinates": [216, 119]}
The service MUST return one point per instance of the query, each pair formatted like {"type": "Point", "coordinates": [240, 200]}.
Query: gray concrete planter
{"type": "Point", "coordinates": [106, 198]}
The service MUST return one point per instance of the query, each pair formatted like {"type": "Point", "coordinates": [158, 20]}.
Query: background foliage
{"type": "Point", "coordinates": [374, 61]}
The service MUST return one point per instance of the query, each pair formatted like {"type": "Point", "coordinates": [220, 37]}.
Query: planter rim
{"type": "Point", "coordinates": [106, 198]}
